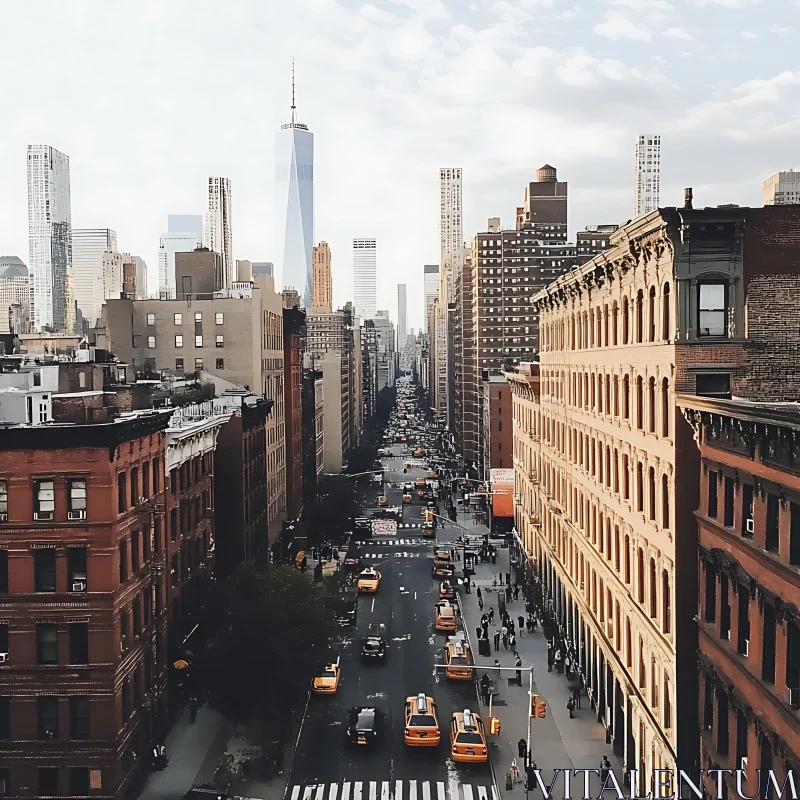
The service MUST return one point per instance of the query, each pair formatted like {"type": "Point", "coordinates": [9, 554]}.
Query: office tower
{"type": "Point", "coordinates": [365, 277]}
{"type": "Point", "coordinates": [290, 298]}
{"type": "Point", "coordinates": [15, 295]}
{"type": "Point", "coordinates": [294, 177]}
{"type": "Point", "coordinates": [647, 173]}
{"type": "Point", "coordinates": [88, 247]}
{"type": "Point", "coordinates": [184, 234]}
{"type": "Point", "coordinates": [402, 317]}
{"type": "Point", "coordinates": [141, 277]}
{"type": "Point", "coordinates": [782, 189]}
{"type": "Point", "coordinates": [264, 268]}
{"type": "Point", "coordinates": [322, 283]}
{"type": "Point", "coordinates": [50, 237]}
{"type": "Point", "coordinates": [593, 239]}
{"type": "Point", "coordinates": [451, 237]}
{"type": "Point", "coordinates": [430, 289]}
{"type": "Point", "coordinates": [219, 232]}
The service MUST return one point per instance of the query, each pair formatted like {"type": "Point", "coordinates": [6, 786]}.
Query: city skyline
{"type": "Point", "coordinates": [598, 77]}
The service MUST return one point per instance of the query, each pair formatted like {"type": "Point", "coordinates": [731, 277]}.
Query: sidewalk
{"type": "Point", "coordinates": [557, 742]}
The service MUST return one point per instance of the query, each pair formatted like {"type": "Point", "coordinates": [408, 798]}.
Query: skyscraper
{"type": "Point", "coordinates": [647, 174]}
{"type": "Point", "coordinates": [184, 234]}
{"type": "Point", "coordinates": [264, 268]}
{"type": "Point", "coordinates": [365, 277]}
{"type": "Point", "coordinates": [781, 189]}
{"type": "Point", "coordinates": [322, 283]}
{"type": "Point", "coordinates": [430, 289]}
{"type": "Point", "coordinates": [50, 237]}
{"type": "Point", "coordinates": [451, 236]}
{"type": "Point", "coordinates": [402, 317]}
{"type": "Point", "coordinates": [219, 233]}
{"type": "Point", "coordinates": [88, 246]}
{"type": "Point", "coordinates": [294, 176]}
{"type": "Point", "coordinates": [15, 295]}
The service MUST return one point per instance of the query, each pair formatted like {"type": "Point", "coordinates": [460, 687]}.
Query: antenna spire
{"type": "Point", "coordinates": [294, 115]}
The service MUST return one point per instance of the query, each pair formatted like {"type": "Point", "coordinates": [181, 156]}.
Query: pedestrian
{"type": "Point", "coordinates": [529, 623]}
{"type": "Point", "coordinates": [521, 622]}
{"type": "Point", "coordinates": [500, 577]}
{"type": "Point", "coordinates": [491, 615]}
{"type": "Point", "coordinates": [605, 768]}
{"type": "Point", "coordinates": [480, 602]}
{"type": "Point", "coordinates": [559, 662]}
{"type": "Point", "coordinates": [550, 657]}
{"type": "Point", "coordinates": [496, 639]}
{"type": "Point", "coordinates": [518, 665]}
{"type": "Point", "coordinates": [467, 589]}
{"type": "Point", "coordinates": [570, 706]}
{"type": "Point", "coordinates": [576, 698]}
{"type": "Point", "coordinates": [522, 750]}
{"type": "Point", "coordinates": [568, 667]}
{"type": "Point", "coordinates": [516, 592]}
{"type": "Point", "coordinates": [486, 683]}
{"type": "Point", "coordinates": [504, 634]}
{"type": "Point", "coordinates": [478, 632]}
{"type": "Point", "coordinates": [193, 706]}
{"type": "Point", "coordinates": [508, 579]}
{"type": "Point", "coordinates": [497, 667]}
{"type": "Point", "coordinates": [512, 640]}
{"type": "Point", "coordinates": [478, 593]}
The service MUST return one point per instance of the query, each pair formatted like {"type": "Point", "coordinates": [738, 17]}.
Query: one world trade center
{"type": "Point", "coordinates": [294, 175]}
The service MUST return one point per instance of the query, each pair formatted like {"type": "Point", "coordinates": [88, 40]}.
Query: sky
{"type": "Point", "coordinates": [150, 98]}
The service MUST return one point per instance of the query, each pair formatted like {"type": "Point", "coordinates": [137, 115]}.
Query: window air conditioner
{"type": "Point", "coordinates": [78, 586]}
{"type": "Point", "coordinates": [3, 658]}
{"type": "Point", "coordinates": [746, 648]}
{"type": "Point", "coordinates": [4, 517]}
{"type": "Point", "coordinates": [750, 525]}
{"type": "Point", "coordinates": [42, 515]}
{"type": "Point", "coordinates": [80, 514]}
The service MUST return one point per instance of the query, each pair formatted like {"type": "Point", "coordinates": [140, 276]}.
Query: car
{"type": "Point", "coordinates": [373, 645]}
{"type": "Point", "coordinates": [382, 501]}
{"type": "Point", "coordinates": [407, 498]}
{"type": "Point", "coordinates": [445, 616]}
{"type": "Point", "coordinates": [368, 581]}
{"type": "Point", "coordinates": [467, 737]}
{"type": "Point", "coordinates": [364, 726]}
{"type": "Point", "coordinates": [408, 487]}
{"type": "Point", "coordinates": [327, 682]}
{"type": "Point", "coordinates": [421, 722]}
{"type": "Point", "coordinates": [458, 660]}
{"type": "Point", "coordinates": [446, 591]}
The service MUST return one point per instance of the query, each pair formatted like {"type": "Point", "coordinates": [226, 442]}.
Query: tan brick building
{"type": "Point", "coordinates": [321, 277]}
{"type": "Point", "coordinates": [703, 301]}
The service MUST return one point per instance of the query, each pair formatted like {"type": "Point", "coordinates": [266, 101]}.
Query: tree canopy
{"type": "Point", "coordinates": [332, 511]}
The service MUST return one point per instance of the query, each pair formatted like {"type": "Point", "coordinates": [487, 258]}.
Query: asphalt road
{"type": "Point", "coordinates": [324, 768]}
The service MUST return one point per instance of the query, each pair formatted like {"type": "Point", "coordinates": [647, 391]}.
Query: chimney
{"type": "Point", "coordinates": [687, 198]}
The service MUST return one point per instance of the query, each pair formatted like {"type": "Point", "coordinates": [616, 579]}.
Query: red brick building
{"type": "Point", "coordinates": [83, 675]}
{"type": "Point", "coordinates": [294, 322]}
{"type": "Point", "coordinates": [495, 437]}
{"type": "Point", "coordinates": [749, 580]}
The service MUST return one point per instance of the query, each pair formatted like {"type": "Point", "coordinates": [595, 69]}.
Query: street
{"type": "Point", "coordinates": [323, 765]}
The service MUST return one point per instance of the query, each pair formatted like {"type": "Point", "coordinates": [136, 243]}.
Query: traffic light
{"type": "Point", "coordinates": [494, 726]}
{"type": "Point", "coordinates": [538, 707]}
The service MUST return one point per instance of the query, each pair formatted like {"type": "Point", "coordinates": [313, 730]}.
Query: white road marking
{"type": "Point", "coordinates": [495, 795]}
{"type": "Point", "coordinates": [482, 793]}
{"type": "Point", "coordinates": [321, 792]}
{"type": "Point", "coordinates": [373, 604]}
{"type": "Point", "coordinates": [452, 786]}
{"type": "Point", "coordinates": [415, 595]}
{"type": "Point", "coordinates": [346, 790]}
{"type": "Point", "coordinates": [467, 791]}
{"type": "Point", "coordinates": [440, 790]}
{"type": "Point", "coordinates": [334, 791]}
{"type": "Point", "coordinates": [426, 790]}
{"type": "Point", "coordinates": [357, 790]}
{"type": "Point", "coordinates": [295, 792]}
{"type": "Point", "coordinates": [385, 790]}
{"type": "Point", "coordinates": [373, 790]}
{"type": "Point", "coordinates": [398, 790]}
{"type": "Point", "coordinates": [412, 790]}
{"type": "Point", "coordinates": [307, 792]}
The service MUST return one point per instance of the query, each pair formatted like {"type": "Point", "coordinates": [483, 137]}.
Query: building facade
{"type": "Point", "coordinates": [748, 524]}
{"type": "Point", "coordinates": [293, 335]}
{"type": "Point", "coordinates": [15, 295]}
{"type": "Point", "coordinates": [219, 226]}
{"type": "Point", "coordinates": [402, 318]}
{"type": "Point", "coordinates": [322, 282]}
{"type": "Point", "coordinates": [430, 290]}
{"type": "Point", "coordinates": [496, 443]}
{"type": "Point", "coordinates": [184, 234]}
{"type": "Point", "coordinates": [781, 189]}
{"type": "Point", "coordinates": [50, 239]}
{"type": "Point", "coordinates": [593, 239]}
{"type": "Point", "coordinates": [82, 572]}
{"type": "Point", "coordinates": [647, 174]}
{"type": "Point", "coordinates": [313, 432]}
{"type": "Point", "coordinates": [88, 248]}
{"type": "Point", "coordinates": [365, 277]}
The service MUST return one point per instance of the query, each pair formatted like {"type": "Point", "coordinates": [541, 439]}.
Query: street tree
{"type": "Point", "coordinates": [332, 511]}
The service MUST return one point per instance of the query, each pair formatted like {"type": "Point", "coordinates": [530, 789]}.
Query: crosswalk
{"type": "Point", "coordinates": [396, 554]}
{"type": "Point", "coordinates": [393, 790]}
{"type": "Point", "coordinates": [389, 542]}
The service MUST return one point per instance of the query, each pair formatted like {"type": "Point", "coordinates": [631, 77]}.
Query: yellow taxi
{"type": "Point", "coordinates": [457, 660]}
{"type": "Point", "coordinates": [467, 737]}
{"type": "Point", "coordinates": [422, 722]}
{"type": "Point", "coordinates": [445, 616]}
{"type": "Point", "coordinates": [443, 566]}
{"type": "Point", "coordinates": [420, 482]}
{"type": "Point", "coordinates": [419, 452]}
{"type": "Point", "coordinates": [432, 473]}
{"type": "Point", "coordinates": [428, 532]}
{"type": "Point", "coordinates": [327, 682]}
{"type": "Point", "coordinates": [382, 501]}
{"type": "Point", "coordinates": [368, 581]}
{"type": "Point", "coordinates": [407, 498]}
{"type": "Point", "coordinates": [446, 591]}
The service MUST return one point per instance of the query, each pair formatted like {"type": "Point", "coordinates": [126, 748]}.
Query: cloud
{"type": "Point", "coordinates": [618, 26]}
{"type": "Point", "coordinates": [748, 35]}
{"type": "Point", "coordinates": [781, 31]}
{"type": "Point", "coordinates": [723, 3]}
{"type": "Point", "coordinates": [678, 33]}
{"type": "Point", "coordinates": [644, 6]}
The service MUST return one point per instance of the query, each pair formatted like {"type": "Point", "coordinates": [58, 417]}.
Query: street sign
{"type": "Point", "coordinates": [384, 527]}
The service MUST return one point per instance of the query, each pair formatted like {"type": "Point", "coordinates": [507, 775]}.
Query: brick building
{"type": "Point", "coordinates": [293, 334]}
{"type": "Point", "coordinates": [695, 301]}
{"type": "Point", "coordinates": [495, 441]}
{"type": "Point", "coordinates": [83, 624]}
{"type": "Point", "coordinates": [749, 587]}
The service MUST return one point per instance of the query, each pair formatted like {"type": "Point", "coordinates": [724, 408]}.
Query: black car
{"type": "Point", "coordinates": [364, 726]}
{"type": "Point", "coordinates": [373, 645]}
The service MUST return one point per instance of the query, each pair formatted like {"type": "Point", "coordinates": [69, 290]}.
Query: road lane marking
{"type": "Point", "coordinates": [467, 791]}
{"type": "Point", "coordinates": [334, 791]}
{"type": "Point", "coordinates": [398, 790]}
{"type": "Point", "coordinates": [346, 790]}
{"type": "Point", "coordinates": [426, 790]}
{"type": "Point", "coordinates": [357, 790]}
{"type": "Point", "coordinates": [373, 790]}
{"type": "Point", "coordinates": [495, 796]}
{"type": "Point", "coordinates": [307, 792]}
{"type": "Point", "coordinates": [482, 793]}
{"type": "Point", "coordinates": [385, 790]}
{"type": "Point", "coordinates": [373, 605]}
{"type": "Point", "coordinates": [440, 790]}
{"type": "Point", "coordinates": [453, 787]}
{"type": "Point", "coordinates": [320, 792]}
{"type": "Point", "coordinates": [412, 790]}
{"type": "Point", "coordinates": [295, 792]}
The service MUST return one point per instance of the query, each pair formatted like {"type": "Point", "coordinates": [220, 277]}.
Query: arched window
{"type": "Point", "coordinates": [605, 325]}
{"type": "Point", "coordinates": [651, 405]}
{"type": "Point", "coordinates": [626, 397]}
{"type": "Point", "coordinates": [651, 493]}
{"type": "Point", "coordinates": [651, 315]}
{"type": "Point", "coordinates": [616, 548]}
{"type": "Point", "coordinates": [665, 407]}
{"type": "Point", "coordinates": [625, 328]}
{"type": "Point", "coordinates": [666, 334]}
{"type": "Point", "coordinates": [666, 610]}
{"type": "Point", "coordinates": [664, 501]}
{"type": "Point", "coordinates": [640, 576]}
{"type": "Point", "coordinates": [626, 477]}
{"type": "Point", "coordinates": [667, 702]}
{"type": "Point", "coordinates": [639, 403]}
{"type": "Point", "coordinates": [572, 332]}
{"type": "Point", "coordinates": [640, 315]}
{"type": "Point", "coordinates": [616, 471]}
{"type": "Point", "coordinates": [639, 486]}
{"type": "Point", "coordinates": [653, 684]}
{"type": "Point", "coordinates": [608, 539]}
{"type": "Point", "coordinates": [627, 558]}
{"type": "Point", "coordinates": [614, 321]}
{"type": "Point", "coordinates": [628, 643]}
{"type": "Point", "coordinates": [653, 590]}
{"type": "Point", "coordinates": [616, 395]}
{"type": "Point", "coordinates": [608, 394]}
{"type": "Point", "coordinates": [586, 330]}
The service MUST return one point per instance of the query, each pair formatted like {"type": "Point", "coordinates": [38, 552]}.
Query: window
{"type": "Point", "coordinates": [45, 503]}
{"type": "Point", "coordinates": [712, 493]}
{"type": "Point", "coordinates": [653, 589]}
{"type": "Point", "coordinates": [220, 340]}
{"type": "Point", "coordinates": [44, 569]}
{"type": "Point", "coordinates": [625, 323]}
{"type": "Point", "coordinates": [639, 403]}
{"type": "Point", "coordinates": [667, 703]}
{"type": "Point", "coordinates": [773, 517]}
{"type": "Point", "coordinates": [651, 314]}
{"type": "Point", "coordinates": [640, 486]}
{"type": "Point", "coordinates": [198, 316]}
{"type": "Point", "coordinates": [639, 316]}
{"type": "Point", "coordinates": [712, 309]}
{"type": "Point", "coordinates": [729, 494]}
{"type": "Point", "coordinates": [743, 645]}
{"type": "Point", "coordinates": [177, 319]}
{"type": "Point", "coordinates": [198, 364]}
{"type": "Point", "coordinates": [794, 535]}
{"type": "Point", "coordinates": [711, 592]}
{"type": "Point", "coordinates": [178, 365]}
{"type": "Point", "coordinates": [748, 525]}
{"type": "Point", "coordinates": [76, 569]}
{"type": "Point", "coordinates": [666, 334]}
{"type": "Point", "coordinates": [135, 537]}
{"type": "Point", "coordinates": [713, 384]}
{"type": "Point", "coordinates": [651, 494]}
{"type": "Point", "coordinates": [3, 501]}
{"type": "Point", "coordinates": [666, 610]}
{"type": "Point", "coordinates": [4, 637]}
{"type": "Point", "coordinates": [46, 643]}
{"type": "Point", "coordinates": [219, 318]}
{"type": "Point", "coordinates": [48, 780]}
{"type": "Point", "coordinates": [626, 477]}
{"type": "Point", "coordinates": [3, 571]}
{"type": "Point", "coordinates": [122, 492]}
{"type": "Point", "coordinates": [151, 320]}
{"type": "Point", "coordinates": [626, 397]}
{"type": "Point", "coordinates": [640, 576]}
{"type": "Point", "coordinates": [651, 405]}
{"type": "Point", "coordinates": [151, 341]}
{"type": "Point", "coordinates": [123, 561]}
{"type": "Point", "coordinates": [664, 407]}
{"type": "Point", "coordinates": [768, 644]}
{"type": "Point", "coordinates": [178, 340]}
{"type": "Point", "coordinates": [198, 340]}
{"type": "Point", "coordinates": [78, 642]}
{"type": "Point", "coordinates": [220, 363]}
{"type": "Point", "coordinates": [78, 781]}
{"type": "Point", "coordinates": [156, 478]}
{"type": "Point", "coordinates": [134, 486]}
{"type": "Point", "coordinates": [664, 501]}
{"type": "Point", "coordinates": [76, 489]}
{"type": "Point", "coordinates": [146, 479]}
{"type": "Point", "coordinates": [5, 719]}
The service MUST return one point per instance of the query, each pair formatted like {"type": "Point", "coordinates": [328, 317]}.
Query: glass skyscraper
{"type": "Point", "coordinates": [294, 176]}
